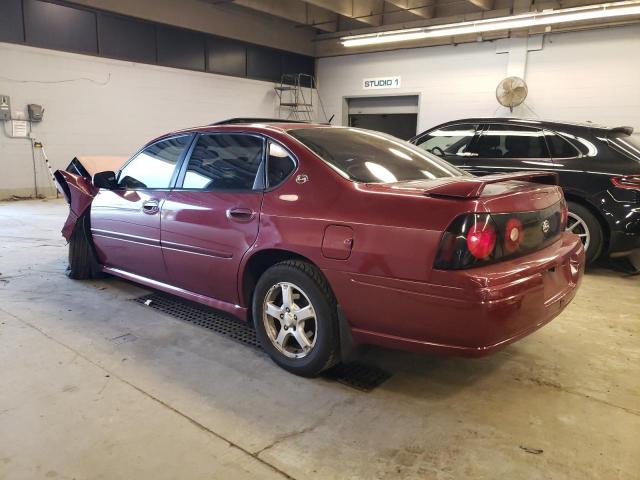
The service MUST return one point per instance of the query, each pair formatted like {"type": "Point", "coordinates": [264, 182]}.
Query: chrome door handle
{"type": "Point", "coordinates": [151, 207]}
{"type": "Point", "coordinates": [241, 214]}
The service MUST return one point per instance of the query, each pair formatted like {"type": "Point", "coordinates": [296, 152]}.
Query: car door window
{"type": "Point", "coordinates": [280, 164]}
{"type": "Point", "coordinates": [452, 140]}
{"type": "Point", "coordinates": [559, 146]}
{"type": "Point", "coordinates": [511, 141]}
{"type": "Point", "coordinates": [154, 166]}
{"type": "Point", "coordinates": [224, 162]}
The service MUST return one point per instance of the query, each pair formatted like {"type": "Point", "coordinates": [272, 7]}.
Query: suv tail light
{"type": "Point", "coordinates": [631, 182]}
{"type": "Point", "coordinates": [481, 238]}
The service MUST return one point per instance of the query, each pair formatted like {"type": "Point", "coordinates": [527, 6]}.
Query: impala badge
{"type": "Point", "coordinates": [302, 179]}
{"type": "Point", "coordinates": [546, 226]}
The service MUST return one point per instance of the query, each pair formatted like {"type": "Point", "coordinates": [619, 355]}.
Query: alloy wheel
{"type": "Point", "coordinates": [577, 225]}
{"type": "Point", "coordinates": [289, 320]}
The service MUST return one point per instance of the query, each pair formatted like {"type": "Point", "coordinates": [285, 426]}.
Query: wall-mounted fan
{"type": "Point", "coordinates": [511, 92]}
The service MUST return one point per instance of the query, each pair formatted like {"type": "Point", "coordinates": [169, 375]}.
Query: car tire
{"type": "Point", "coordinates": [583, 223]}
{"type": "Point", "coordinates": [83, 264]}
{"type": "Point", "coordinates": [278, 327]}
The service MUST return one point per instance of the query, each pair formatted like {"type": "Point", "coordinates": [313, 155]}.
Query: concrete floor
{"type": "Point", "coordinates": [173, 401]}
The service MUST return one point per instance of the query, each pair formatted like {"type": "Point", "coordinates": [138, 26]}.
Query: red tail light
{"type": "Point", "coordinates": [481, 240]}
{"type": "Point", "coordinates": [631, 182]}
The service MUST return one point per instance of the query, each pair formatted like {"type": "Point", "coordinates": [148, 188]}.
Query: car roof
{"type": "Point", "coordinates": [257, 126]}
{"type": "Point", "coordinates": [547, 123]}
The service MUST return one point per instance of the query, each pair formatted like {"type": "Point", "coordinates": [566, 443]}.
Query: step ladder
{"type": "Point", "coordinates": [296, 93]}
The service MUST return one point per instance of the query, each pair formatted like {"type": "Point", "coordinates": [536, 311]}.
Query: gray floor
{"type": "Point", "coordinates": [174, 401]}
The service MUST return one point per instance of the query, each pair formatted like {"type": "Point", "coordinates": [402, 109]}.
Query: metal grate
{"type": "Point", "coordinates": [356, 375]}
{"type": "Point", "coordinates": [208, 318]}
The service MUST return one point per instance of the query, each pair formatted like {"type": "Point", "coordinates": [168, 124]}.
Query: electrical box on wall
{"type": "Point", "coordinates": [35, 112]}
{"type": "Point", "coordinates": [5, 107]}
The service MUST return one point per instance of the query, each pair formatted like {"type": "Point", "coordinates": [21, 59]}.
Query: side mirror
{"type": "Point", "coordinates": [105, 180]}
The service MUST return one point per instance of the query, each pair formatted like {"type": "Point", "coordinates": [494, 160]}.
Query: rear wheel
{"type": "Point", "coordinates": [296, 319]}
{"type": "Point", "coordinates": [584, 224]}
{"type": "Point", "coordinates": [83, 264]}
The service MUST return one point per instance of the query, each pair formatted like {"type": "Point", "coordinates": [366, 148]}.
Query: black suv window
{"type": "Point", "coordinates": [511, 141]}
{"type": "Point", "coordinates": [279, 165]}
{"type": "Point", "coordinates": [560, 147]}
{"type": "Point", "coordinates": [449, 140]}
{"type": "Point", "coordinates": [224, 162]}
{"type": "Point", "coordinates": [153, 167]}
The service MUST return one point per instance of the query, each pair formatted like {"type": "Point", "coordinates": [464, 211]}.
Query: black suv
{"type": "Point", "coordinates": [599, 169]}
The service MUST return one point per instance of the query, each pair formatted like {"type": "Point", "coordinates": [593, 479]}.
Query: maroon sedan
{"type": "Point", "coordinates": [326, 237]}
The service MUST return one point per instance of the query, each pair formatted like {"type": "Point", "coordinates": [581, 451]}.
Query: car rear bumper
{"type": "Point", "coordinates": [465, 312]}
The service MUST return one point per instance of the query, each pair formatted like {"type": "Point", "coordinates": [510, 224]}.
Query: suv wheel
{"type": "Point", "coordinates": [584, 224]}
{"type": "Point", "coordinates": [296, 318]}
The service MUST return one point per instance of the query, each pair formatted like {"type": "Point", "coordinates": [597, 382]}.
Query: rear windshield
{"type": "Point", "coordinates": [628, 144]}
{"type": "Point", "coordinates": [373, 157]}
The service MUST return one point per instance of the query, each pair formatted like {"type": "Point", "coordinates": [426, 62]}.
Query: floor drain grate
{"type": "Point", "coordinates": [356, 375]}
{"type": "Point", "coordinates": [202, 316]}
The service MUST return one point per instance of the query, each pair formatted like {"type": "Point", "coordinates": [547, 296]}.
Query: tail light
{"type": "Point", "coordinates": [564, 214]}
{"type": "Point", "coordinates": [513, 235]}
{"type": "Point", "coordinates": [482, 238]}
{"type": "Point", "coordinates": [631, 182]}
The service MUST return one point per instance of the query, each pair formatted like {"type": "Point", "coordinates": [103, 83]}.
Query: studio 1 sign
{"type": "Point", "coordinates": [381, 82]}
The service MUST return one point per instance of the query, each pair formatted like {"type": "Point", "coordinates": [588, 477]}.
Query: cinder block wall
{"type": "Point", "coordinates": [96, 106]}
{"type": "Point", "coordinates": [578, 76]}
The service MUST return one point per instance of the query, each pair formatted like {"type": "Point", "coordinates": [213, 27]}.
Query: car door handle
{"type": "Point", "coordinates": [241, 214]}
{"type": "Point", "coordinates": [151, 207]}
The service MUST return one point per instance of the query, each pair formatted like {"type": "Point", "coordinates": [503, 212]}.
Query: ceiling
{"type": "Point", "coordinates": [330, 19]}
{"type": "Point", "coordinates": [352, 15]}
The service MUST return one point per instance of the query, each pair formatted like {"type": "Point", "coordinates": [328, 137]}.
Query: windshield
{"type": "Point", "coordinates": [373, 157]}
{"type": "Point", "coordinates": [629, 144]}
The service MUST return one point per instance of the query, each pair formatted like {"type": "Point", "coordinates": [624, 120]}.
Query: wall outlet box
{"type": "Point", "coordinates": [5, 107]}
{"type": "Point", "coordinates": [35, 112]}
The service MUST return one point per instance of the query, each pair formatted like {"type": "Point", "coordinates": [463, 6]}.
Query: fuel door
{"type": "Point", "coordinates": [337, 242]}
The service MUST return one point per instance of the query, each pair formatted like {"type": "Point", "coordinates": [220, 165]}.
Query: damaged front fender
{"type": "Point", "coordinates": [76, 185]}
{"type": "Point", "coordinates": [79, 193]}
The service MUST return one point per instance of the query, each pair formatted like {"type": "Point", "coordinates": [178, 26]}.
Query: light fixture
{"type": "Point", "coordinates": [526, 20]}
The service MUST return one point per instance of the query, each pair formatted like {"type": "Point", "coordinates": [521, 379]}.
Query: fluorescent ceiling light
{"type": "Point", "coordinates": [527, 20]}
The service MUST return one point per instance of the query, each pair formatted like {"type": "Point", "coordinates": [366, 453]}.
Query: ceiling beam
{"type": "Point", "coordinates": [293, 10]}
{"type": "Point", "coordinates": [419, 8]}
{"type": "Point", "coordinates": [365, 11]}
{"type": "Point", "coordinates": [483, 4]}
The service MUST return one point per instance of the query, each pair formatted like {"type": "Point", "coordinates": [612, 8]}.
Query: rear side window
{"type": "Point", "coordinates": [280, 164]}
{"type": "Point", "coordinates": [449, 140]}
{"type": "Point", "coordinates": [154, 166]}
{"type": "Point", "coordinates": [559, 147]}
{"type": "Point", "coordinates": [373, 157]}
{"type": "Point", "coordinates": [224, 162]}
{"type": "Point", "coordinates": [511, 141]}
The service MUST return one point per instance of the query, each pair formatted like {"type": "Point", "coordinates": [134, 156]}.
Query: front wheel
{"type": "Point", "coordinates": [296, 319]}
{"type": "Point", "coordinates": [584, 224]}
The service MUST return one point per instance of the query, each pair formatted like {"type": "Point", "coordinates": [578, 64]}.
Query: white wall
{"type": "Point", "coordinates": [137, 103]}
{"type": "Point", "coordinates": [589, 75]}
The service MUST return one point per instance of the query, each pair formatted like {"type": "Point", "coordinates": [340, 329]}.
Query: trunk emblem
{"type": "Point", "coordinates": [546, 226]}
{"type": "Point", "coordinates": [302, 179]}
